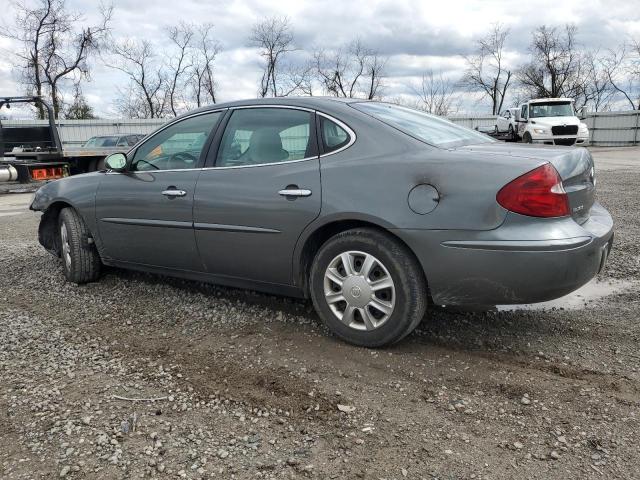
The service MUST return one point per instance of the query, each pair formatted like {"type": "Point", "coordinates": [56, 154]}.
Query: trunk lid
{"type": "Point", "coordinates": [575, 166]}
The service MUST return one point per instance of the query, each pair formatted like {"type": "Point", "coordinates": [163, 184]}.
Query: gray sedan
{"type": "Point", "coordinates": [372, 210]}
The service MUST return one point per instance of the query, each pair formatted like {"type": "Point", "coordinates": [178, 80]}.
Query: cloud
{"type": "Point", "coordinates": [416, 36]}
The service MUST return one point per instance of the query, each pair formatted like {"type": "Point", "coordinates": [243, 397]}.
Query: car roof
{"type": "Point", "coordinates": [320, 103]}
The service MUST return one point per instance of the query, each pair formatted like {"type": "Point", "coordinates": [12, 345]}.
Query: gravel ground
{"type": "Point", "coordinates": [140, 376]}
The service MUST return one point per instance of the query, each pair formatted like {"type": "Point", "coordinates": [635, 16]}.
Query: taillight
{"type": "Point", "coordinates": [538, 193]}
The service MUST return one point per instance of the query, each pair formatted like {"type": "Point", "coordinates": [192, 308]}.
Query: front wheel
{"type": "Point", "coordinates": [526, 138]}
{"type": "Point", "coordinates": [512, 133]}
{"type": "Point", "coordinates": [80, 259]}
{"type": "Point", "coordinates": [368, 288]}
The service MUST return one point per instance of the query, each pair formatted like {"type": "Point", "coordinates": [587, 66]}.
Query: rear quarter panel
{"type": "Point", "coordinates": [372, 180]}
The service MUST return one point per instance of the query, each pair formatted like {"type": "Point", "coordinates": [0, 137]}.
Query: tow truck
{"type": "Point", "coordinates": [34, 153]}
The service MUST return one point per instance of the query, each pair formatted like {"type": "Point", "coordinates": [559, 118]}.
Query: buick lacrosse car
{"type": "Point", "coordinates": [372, 210]}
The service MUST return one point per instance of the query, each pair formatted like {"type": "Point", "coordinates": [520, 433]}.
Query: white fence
{"type": "Point", "coordinates": [613, 129]}
{"type": "Point", "coordinates": [76, 132]}
{"type": "Point", "coordinates": [475, 121]}
{"type": "Point", "coordinates": [605, 128]}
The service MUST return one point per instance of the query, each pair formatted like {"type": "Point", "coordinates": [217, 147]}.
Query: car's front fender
{"type": "Point", "coordinates": [78, 192]}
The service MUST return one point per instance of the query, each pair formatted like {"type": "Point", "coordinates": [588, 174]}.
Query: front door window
{"type": "Point", "coordinates": [177, 147]}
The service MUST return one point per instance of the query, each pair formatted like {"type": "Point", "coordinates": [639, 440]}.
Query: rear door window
{"type": "Point", "coordinates": [256, 136]}
{"type": "Point", "coordinates": [334, 137]}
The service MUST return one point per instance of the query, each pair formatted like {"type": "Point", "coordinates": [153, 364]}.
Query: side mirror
{"type": "Point", "coordinates": [116, 162]}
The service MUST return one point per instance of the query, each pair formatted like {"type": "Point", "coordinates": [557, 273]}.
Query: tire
{"type": "Point", "coordinates": [526, 138]}
{"type": "Point", "coordinates": [390, 260]}
{"type": "Point", "coordinates": [495, 130]}
{"type": "Point", "coordinates": [512, 134]}
{"type": "Point", "coordinates": [80, 259]}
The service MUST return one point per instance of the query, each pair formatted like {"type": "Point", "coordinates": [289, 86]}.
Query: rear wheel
{"type": "Point", "coordinates": [80, 259]}
{"type": "Point", "coordinates": [368, 288]}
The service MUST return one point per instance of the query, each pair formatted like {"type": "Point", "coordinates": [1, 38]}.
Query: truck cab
{"type": "Point", "coordinates": [551, 121]}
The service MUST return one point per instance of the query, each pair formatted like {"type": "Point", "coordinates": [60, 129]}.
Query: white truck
{"type": "Point", "coordinates": [551, 121]}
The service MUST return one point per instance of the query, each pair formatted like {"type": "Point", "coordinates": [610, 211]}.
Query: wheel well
{"type": "Point", "coordinates": [324, 233]}
{"type": "Point", "coordinates": [48, 227]}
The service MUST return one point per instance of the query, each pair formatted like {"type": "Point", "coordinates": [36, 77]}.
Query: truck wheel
{"type": "Point", "coordinates": [368, 288]}
{"type": "Point", "coordinates": [512, 134]}
{"type": "Point", "coordinates": [80, 259]}
{"type": "Point", "coordinates": [526, 138]}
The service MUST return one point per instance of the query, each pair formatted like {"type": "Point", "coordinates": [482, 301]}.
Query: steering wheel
{"type": "Point", "coordinates": [182, 158]}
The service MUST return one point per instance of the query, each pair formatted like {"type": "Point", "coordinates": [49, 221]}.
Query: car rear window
{"type": "Point", "coordinates": [334, 137]}
{"type": "Point", "coordinates": [430, 129]}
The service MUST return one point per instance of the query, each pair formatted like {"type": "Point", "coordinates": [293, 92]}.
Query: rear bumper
{"type": "Point", "coordinates": [523, 261]}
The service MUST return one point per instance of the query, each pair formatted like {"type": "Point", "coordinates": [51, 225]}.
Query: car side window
{"type": "Point", "coordinates": [334, 136]}
{"type": "Point", "coordinates": [122, 142]}
{"type": "Point", "coordinates": [254, 136]}
{"type": "Point", "coordinates": [176, 147]}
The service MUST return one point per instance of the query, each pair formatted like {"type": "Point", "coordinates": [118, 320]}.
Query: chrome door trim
{"type": "Point", "coordinates": [260, 164]}
{"type": "Point", "coordinates": [290, 107]}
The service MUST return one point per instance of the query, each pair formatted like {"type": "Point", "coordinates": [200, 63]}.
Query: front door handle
{"type": "Point", "coordinates": [295, 192]}
{"type": "Point", "coordinates": [172, 193]}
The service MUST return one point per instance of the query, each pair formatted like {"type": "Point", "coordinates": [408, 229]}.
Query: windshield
{"type": "Point", "coordinates": [552, 109]}
{"type": "Point", "coordinates": [433, 130]}
{"type": "Point", "coordinates": [101, 142]}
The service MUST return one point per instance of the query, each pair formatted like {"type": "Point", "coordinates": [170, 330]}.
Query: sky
{"type": "Point", "coordinates": [416, 36]}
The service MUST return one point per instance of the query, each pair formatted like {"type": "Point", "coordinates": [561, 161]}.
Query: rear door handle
{"type": "Point", "coordinates": [171, 193]}
{"type": "Point", "coordinates": [295, 192]}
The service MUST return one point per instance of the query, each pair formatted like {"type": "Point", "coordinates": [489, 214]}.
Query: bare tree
{"type": "Point", "coordinates": [598, 89]}
{"type": "Point", "coordinates": [486, 70]}
{"type": "Point", "coordinates": [274, 38]}
{"type": "Point", "coordinates": [435, 93]}
{"type": "Point", "coordinates": [203, 83]}
{"type": "Point", "coordinates": [622, 67]}
{"type": "Point", "coordinates": [178, 63]}
{"type": "Point", "coordinates": [556, 68]}
{"type": "Point", "coordinates": [53, 50]}
{"type": "Point", "coordinates": [147, 96]}
{"type": "Point", "coordinates": [351, 71]}
{"type": "Point", "coordinates": [297, 79]}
